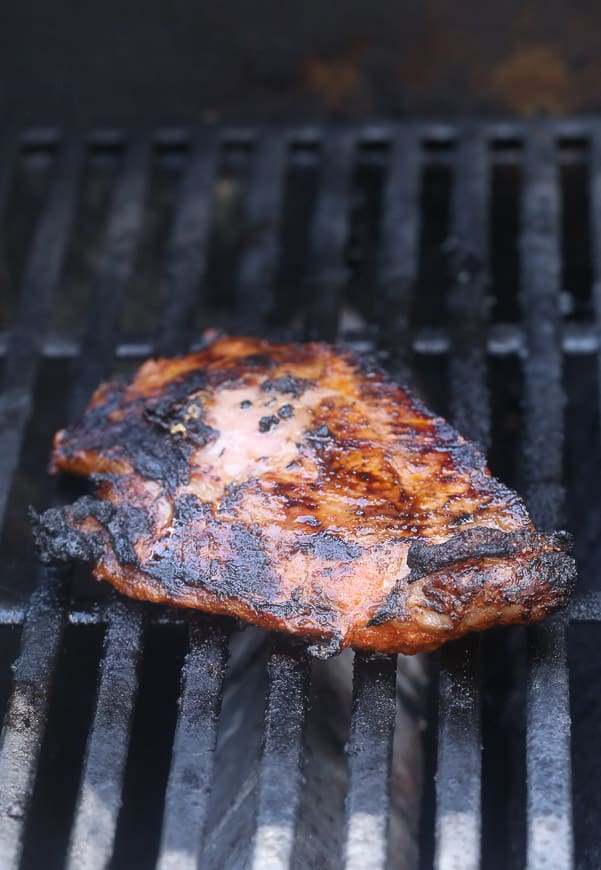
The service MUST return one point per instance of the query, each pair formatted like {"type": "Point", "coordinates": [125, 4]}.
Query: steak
{"type": "Point", "coordinates": [298, 488]}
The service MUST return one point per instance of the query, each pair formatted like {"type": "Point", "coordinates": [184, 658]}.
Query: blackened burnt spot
{"type": "Point", "coordinates": [385, 614]}
{"type": "Point", "coordinates": [158, 458]}
{"type": "Point", "coordinates": [161, 449]}
{"type": "Point", "coordinates": [248, 570]}
{"type": "Point", "coordinates": [257, 361]}
{"type": "Point", "coordinates": [267, 423]}
{"type": "Point", "coordinates": [563, 541]}
{"type": "Point", "coordinates": [88, 506]}
{"type": "Point", "coordinates": [189, 383]}
{"type": "Point", "coordinates": [319, 435]}
{"type": "Point", "coordinates": [308, 520]}
{"type": "Point", "coordinates": [462, 519]}
{"type": "Point", "coordinates": [124, 523]}
{"type": "Point", "coordinates": [395, 606]}
{"type": "Point", "coordinates": [231, 496]}
{"type": "Point", "coordinates": [99, 478]}
{"type": "Point", "coordinates": [287, 385]}
{"type": "Point", "coordinates": [127, 526]}
{"type": "Point", "coordinates": [246, 404]}
{"type": "Point", "coordinates": [141, 437]}
{"type": "Point", "coordinates": [445, 601]}
{"type": "Point", "coordinates": [173, 574]}
{"type": "Point", "coordinates": [317, 606]}
{"type": "Point", "coordinates": [473, 544]}
{"type": "Point", "coordinates": [368, 365]}
{"type": "Point", "coordinates": [188, 507]}
{"type": "Point", "coordinates": [242, 571]}
{"type": "Point", "coordinates": [328, 647]}
{"type": "Point", "coordinates": [181, 420]}
{"type": "Point", "coordinates": [285, 412]}
{"type": "Point", "coordinates": [469, 455]}
{"type": "Point", "coordinates": [558, 571]}
{"type": "Point", "coordinates": [199, 433]}
{"type": "Point", "coordinates": [179, 391]}
{"type": "Point", "coordinates": [112, 398]}
{"type": "Point", "coordinates": [331, 548]}
{"type": "Point", "coordinates": [56, 540]}
{"type": "Point", "coordinates": [461, 452]}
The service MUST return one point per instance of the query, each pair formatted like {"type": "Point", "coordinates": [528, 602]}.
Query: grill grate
{"type": "Point", "coordinates": [548, 760]}
{"type": "Point", "coordinates": [459, 763]}
{"type": "Point", "coordinates": [540, 340]}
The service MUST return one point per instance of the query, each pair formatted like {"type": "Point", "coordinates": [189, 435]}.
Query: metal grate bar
{"type": "Point", "coordinates": [262, 220]}
{"type": "Point", "coordinates": [365, 834]}
{"type": "Point", "coordinates": [374, 683]}
{"type": "Point", "coordinates": [467, 251]}
{"type": "Point", "coordinates": [191, 768]}
{"type": "Point", "coordinates": [25, 718]}
{"type": "Point", "coordinates": [398, 254]}
{"type": "Point", "coordinates": [377, 132]}
{"type": "Point", "coordinates": [327, 273]}
{"type": "Point", "coordinates": [187, 248]}
{"type": "Point", "coordinates": [549, 800]}
{"type": "Point", "coordinates": [504, 339]}
{"type": "Point", "coordinates": [39, 283]}
{"type": "Point", "coordinates": [370, 762]}
{"type": "Point", "coordinates": [191, 773]}
{"type": "Point", "coordinates": [99, 798]}
{"type": "Point", "coordinates": [276, 809]}
{"type": "Point", "coordinates": [586, 608]}
{"type": "Point", "coordinates": [280, 779]}
{"type": "Point", "coordinates": [540, 265]}
{"type": "Point", "coordinates": [458, 783]}
{"type": "Point", "coordinates": [458, 780]}
{"type": "Point", "coordinates": [110, 284]}
{"type": "Point", "coordinates": [595, 232]}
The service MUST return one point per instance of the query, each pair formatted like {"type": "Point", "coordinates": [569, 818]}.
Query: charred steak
{"type": "Point", "coordinates": [297, 488]}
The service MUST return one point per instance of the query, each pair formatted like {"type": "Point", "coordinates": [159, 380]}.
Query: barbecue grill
{"type": "Point", "coordinates": [467, 256]}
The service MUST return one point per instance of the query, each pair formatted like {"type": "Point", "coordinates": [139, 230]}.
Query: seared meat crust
{"type": "Point", "coordinates": [297, 488]}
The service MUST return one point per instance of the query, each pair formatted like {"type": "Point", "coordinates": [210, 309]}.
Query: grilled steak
{"type": "Point", "coordinates": [297, 488]}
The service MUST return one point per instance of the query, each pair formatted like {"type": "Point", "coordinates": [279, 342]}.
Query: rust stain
{"type": "Point", "coordinates": [337, 79]}
{"type": "Point", "coordinates": [533, 79]}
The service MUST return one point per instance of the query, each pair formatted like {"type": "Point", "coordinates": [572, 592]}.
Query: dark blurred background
{"type": "Point", "coordinates": [122, 62]}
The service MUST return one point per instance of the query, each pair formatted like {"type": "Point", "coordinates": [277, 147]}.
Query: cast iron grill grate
{"type": "Point", "coordinates": [390, 298]}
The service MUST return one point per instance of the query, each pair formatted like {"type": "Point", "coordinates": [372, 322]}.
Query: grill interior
{"type": "Point", "coordinates": [470, 257]}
